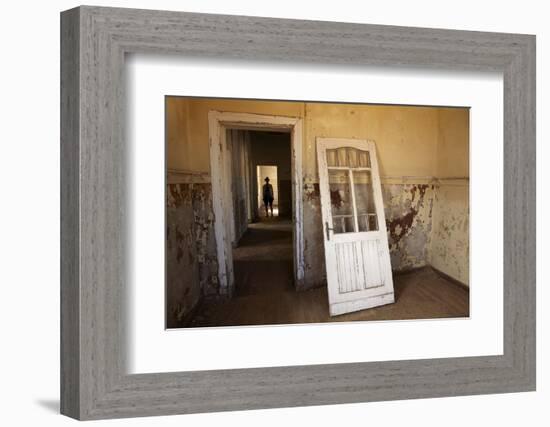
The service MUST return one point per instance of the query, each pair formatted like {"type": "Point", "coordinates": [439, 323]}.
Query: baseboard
{"type": "Point", "coordinates": [450, 279]}
{"type": "Point", "coordinates": [409, 270]}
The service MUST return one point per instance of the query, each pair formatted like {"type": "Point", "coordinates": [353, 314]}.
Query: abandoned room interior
{"type": "Point", "coordinates": [286, 212]}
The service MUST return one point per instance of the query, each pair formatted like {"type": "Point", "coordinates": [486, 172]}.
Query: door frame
{"type": "Point", "coordinates": [218, 123]}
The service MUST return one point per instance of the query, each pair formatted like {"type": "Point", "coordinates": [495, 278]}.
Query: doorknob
{"type": "Point", "coordinates": [328, 230]}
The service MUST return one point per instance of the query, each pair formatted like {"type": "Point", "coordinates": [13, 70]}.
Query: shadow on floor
{"type": "Point", "coordinates": [51, 405]}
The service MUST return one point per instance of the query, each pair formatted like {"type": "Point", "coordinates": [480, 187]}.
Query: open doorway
{"type": "Point", "coordinates": [262, 255]}
{"type": "Point", "coordinates": [239, 142]}
{"type": "Point", "coordinates": [268, 191]}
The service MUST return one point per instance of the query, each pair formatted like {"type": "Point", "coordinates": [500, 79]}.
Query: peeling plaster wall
{"type": "Point", "coordinates": [449, 251]}
{"type": "Point", "coordinates": [182, 274]}
{"type": "Point", "coordinates": [191, 265]}
{"type": "Point", "coordinates": [408, 209]}
{"type": "Point", "coordinates": [408, 141]}
{"type": "Point", "coordinates": [450, 245]}
{"type": "Point", "coordinates": [314, 250]}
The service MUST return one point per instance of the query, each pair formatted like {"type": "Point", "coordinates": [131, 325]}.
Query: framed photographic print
{"type": "Point", "coordinates": [261, 213]}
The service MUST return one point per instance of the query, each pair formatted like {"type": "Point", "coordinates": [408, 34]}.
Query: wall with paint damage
{"type": "Point", "coordinates": [410, 159]}
{"type": "Point", "coordinates": [409, 208]}
{"type": "Point", "coordinates": [191, 264]}
{"type": "Point", "coordinates": [450, 248]}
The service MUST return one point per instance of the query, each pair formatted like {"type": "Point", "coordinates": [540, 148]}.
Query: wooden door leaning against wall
{"type": "Point", "coordinates": [355, 240]}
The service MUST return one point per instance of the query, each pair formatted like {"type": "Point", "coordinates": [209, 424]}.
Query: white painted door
{"type": "Point", "coordinates": [354, 226]}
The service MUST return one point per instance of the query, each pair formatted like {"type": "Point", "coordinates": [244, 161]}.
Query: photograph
{"type": "Point", "coordinates": [285, 212]}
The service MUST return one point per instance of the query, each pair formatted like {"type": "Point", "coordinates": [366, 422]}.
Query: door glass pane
{"type": "Point", "coordinates": [332, 159]}
{"type": "Point", "coordinates": [348, 157]}
{"type": "Point", "coordinates": [352, 157]}
{"type": "Point", "coordinates": [342, 156]}
{"type": "Point", "coordinates": [366, 211]}
{"type": "Point", "coordinates": [363, 159]}
{"type": "Point", "coordinates": [341, 201]}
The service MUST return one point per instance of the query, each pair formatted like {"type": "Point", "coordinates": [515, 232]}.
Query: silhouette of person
{"type": "Point", "coordinates": [267, 192]}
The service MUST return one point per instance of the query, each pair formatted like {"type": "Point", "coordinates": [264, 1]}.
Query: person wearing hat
{"type": "Point", "coordinates": [268, 196]}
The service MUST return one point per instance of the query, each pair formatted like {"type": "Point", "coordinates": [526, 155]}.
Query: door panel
{"type": "Point", "coordinates": [356, 250]}
{"type": "Point", "coordinates": [358, 266]}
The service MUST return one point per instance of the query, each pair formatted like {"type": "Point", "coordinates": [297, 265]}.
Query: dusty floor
{"type": "Point", "coordinates": [265, 293]}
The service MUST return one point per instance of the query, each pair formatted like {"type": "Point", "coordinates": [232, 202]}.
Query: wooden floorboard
{"type": "Point", "coordinates": [265, 293]}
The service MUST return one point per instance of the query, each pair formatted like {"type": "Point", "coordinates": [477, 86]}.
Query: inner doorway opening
{"type": "Point", "coordinates": [263, 249]}
{"type": "Point", "coordinates": [268, 191]}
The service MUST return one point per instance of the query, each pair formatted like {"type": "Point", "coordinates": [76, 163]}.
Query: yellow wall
{"type": "Point", "coordinates": [179, 151]}
{"type": "Point", "coordinates": [406, 137]}
{"type": "Point", "coordinates": [453, 154]}
{"type": "Point", "coordinates": [196, 126]}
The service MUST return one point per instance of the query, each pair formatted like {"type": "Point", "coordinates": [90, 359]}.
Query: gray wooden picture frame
{"type": "Point", "coordinates": [94, 382]}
